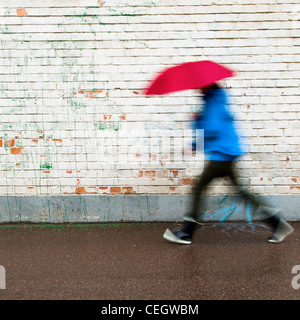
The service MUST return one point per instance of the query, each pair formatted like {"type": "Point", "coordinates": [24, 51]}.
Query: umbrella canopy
{"type": "Point", "coordinates": [189, 75]}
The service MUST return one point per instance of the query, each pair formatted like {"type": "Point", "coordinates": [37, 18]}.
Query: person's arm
{"type": "Point", "coordinates": [209, 126]}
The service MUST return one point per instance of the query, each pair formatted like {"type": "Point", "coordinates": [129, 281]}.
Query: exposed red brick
{"type": "Point", "coordinates": [150, 174]}
{"type": "Point", "coordinates": [187, 181]}
{"type": "Point", "coordinates": [16, 150]}
{"type": "Point", "coordinates": [21, 12]}
{"type": "Point", "coordinates": [90, 94]}
{"type": "Point", "coordinates": [80, 190]}
{"type": "Point", "coordinates": [127, 190]}
{"type": "Point", "coordinates": [10, 143]}
{"type": "Point", "coordinates": [115, 189]}
{"type": "Point", "coordinates": [175, 173]}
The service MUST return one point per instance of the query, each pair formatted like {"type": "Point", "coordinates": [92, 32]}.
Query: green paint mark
{"type": "Point", "coordinates": [46, 166]}
{"type": "Point", "coordinates": [83, 204]}
{"type": "Point", "coordinates": [9, 209]}
{"type": "Point", "coordinates": [148, 204]}
{"type": "Point", "coordinates": [20, 210]}
{"type": "Point", "coordinates": [108, 125]}
{"type": "Point", "coordinates": [49, 211]}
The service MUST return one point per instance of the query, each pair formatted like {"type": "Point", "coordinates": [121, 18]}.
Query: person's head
{"type": "Point", "coordinates": [209, 88]}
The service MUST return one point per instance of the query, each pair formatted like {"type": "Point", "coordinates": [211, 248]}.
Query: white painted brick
{"type": "Point", "coordinates": [76, 71]}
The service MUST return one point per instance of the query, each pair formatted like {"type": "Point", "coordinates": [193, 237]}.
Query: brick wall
{"type": "Point", "coordinates": [72, 75]}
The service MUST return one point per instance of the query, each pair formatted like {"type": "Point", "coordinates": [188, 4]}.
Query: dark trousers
{"type": "Point", "coordinates": [219, 169]}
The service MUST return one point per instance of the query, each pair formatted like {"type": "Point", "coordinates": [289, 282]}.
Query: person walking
{"type": "Point", "coordinates": [222, 148]}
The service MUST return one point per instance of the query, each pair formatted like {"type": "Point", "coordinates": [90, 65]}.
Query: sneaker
{"type": "Point", "coordinates": [282, 231]}
{"type": "Point", "coordinates": [177, 237]}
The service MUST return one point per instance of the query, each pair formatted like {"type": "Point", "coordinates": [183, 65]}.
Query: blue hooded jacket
{"type": "Point", "coordinates": [221, 141]}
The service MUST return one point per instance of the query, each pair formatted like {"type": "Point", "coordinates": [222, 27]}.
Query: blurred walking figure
{"type": "Point", "coordinates": [222, 147]}
{"type": "Point", "coordinates": [221, 142]}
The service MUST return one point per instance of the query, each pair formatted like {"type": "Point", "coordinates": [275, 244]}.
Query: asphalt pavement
{"type": "Point", "coordinates": [132, 261]}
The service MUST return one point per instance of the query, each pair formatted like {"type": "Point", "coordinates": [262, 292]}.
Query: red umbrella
{"type": "Point", "coordinates": [189, 75]}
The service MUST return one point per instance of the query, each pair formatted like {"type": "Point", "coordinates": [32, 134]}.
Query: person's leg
{"type": "Point", "coordinates": [280, 227]}
{"type": "Point", "coordinates": [249, 197]}
{"type": "Point", "coordinates": [213, 170]}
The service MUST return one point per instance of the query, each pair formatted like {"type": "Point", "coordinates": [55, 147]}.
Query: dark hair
{"type": "Point", "coordinates": [210, 88]}
{"type": "Point", "coordinates": [214, 86]}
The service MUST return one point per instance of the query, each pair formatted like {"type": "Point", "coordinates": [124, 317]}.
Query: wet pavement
{"type": "Point", "coordinates": [133, 262]}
